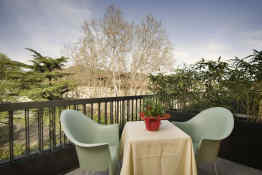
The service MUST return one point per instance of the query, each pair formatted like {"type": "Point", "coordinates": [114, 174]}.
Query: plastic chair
{"type": "Point", "coordinates": [207, 129]}
{"type": "Point", "coordinates": [97, 145]}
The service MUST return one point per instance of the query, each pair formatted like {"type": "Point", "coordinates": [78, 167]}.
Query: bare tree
{"type": "Point", "coordinates": [121, 52]}
{"type": "Point", "coordinates": [152, 51]}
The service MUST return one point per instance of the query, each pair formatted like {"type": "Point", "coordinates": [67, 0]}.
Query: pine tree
{"type": "Point", "coordinates": [10, 72]}
{"type": "Point", "coordinates": [46, 80]}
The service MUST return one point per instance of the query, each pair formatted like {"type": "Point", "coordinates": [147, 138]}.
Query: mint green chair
{"type": "Point", "coordinates": [97, 145]}
{"type": "Point", "coordinates": [207, 129]}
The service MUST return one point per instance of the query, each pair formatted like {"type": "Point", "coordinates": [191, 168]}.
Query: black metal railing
{"type": "Point", "coordinates": [34, 127]}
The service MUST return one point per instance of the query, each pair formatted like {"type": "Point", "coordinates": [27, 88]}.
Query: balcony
{"type": "Point", "coordinates": [32, 141]}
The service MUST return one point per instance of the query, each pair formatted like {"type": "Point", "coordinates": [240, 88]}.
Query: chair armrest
{"type": "Point", "coordinates": [85, 145]}
{"type": "Point", "coordinates": [107, 134]}
{"type": "Point", "coordinates": [94, 145]}
{"type": "Point", "coordinates": [185, 126]}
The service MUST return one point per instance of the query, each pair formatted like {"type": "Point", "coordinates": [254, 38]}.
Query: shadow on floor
{"type": "Point", "coordinates": [224, 167]}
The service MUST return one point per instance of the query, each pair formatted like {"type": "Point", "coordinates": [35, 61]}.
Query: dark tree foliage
{"type": "Point", "coordinates": [245, 82]}
{"type": "Point", "coordinates": [44, 79]}
{"type": "Point", "coordinates": [10, 73]}
{"type": "Point", "coordinates": [212, 77]}
{"type": "Point", "coordinates": [235, 84]}
{"type": "Point", "coordinates": [180, 84]}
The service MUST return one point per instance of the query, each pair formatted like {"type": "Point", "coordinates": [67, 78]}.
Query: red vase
{"type": "Point", "coordinates": [152, 123]}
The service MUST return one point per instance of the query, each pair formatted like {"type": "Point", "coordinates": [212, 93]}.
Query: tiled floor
{"type": "Point", "coordinates": [224, 167]}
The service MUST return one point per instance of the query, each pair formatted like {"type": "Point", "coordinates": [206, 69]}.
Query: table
{"type": "Point", "coordinates": [168, 151]}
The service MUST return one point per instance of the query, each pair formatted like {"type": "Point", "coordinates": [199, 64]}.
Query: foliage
{"type": "Point", "coordinates": [212, 77]}
{"type": "Point", "coordinates": [235, 84]}
{"type": "Point", "coordinates": [44, 79]}
{"type": "Point", "coordinates": [152, 109]}
{"type": "Point", "coordinates": [10, 72]}
{"type": "Point", "coordinates": [245, 82]}
{"type": "Point", "coordinates": [181, 85]}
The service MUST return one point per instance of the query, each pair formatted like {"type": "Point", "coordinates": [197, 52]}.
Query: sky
{"type": "Point", "coordinates": [196, 28]}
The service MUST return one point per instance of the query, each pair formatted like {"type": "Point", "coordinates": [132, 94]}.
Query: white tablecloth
{"type": "Point", "coordinates": [168, 151]}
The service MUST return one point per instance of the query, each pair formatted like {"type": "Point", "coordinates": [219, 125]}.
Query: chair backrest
{"type": "Point", "coordinates": [213, 123]}
{"type": "Point", "coordinates": [77, 127]}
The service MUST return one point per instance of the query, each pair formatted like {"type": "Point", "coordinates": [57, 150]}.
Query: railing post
{"type": "Point", "coordinates": [11, 135]}
{"type": "Point", "coordinates": [141, 106]}
{"type": "Point", "coordinates": [111, 112]}
{"type": "Point", "coordinates": [136, 109]}
{"type": "Point", "coordinates": [27, 131]}
{"type": "Point", "coordinates": [120, 113]}
{"type": "Point", "coordinates": [65, 107]}
{"type": "Point", "coordinates": [105, 113]}
{"type": "Point", "coordinates": [128, 111]}
{"type": "Point", "coordinates": [117, 113]}
{"type": "Point", "coordinates": [60, 127]}
{"type": "Point", "coordinates": [123, 113]}
{"type": "Point", "coordinates": [54, 125]}
{"type": "Point", "coordinates": [132, 109]}
{"type": "Point", "coordinates": [52, 129]}
{"type": "Point", "coordinates": [99, 112]}
{"type": "Point", "coordinates": [40, 129]}
{"type": "Point", "coordinates": [92, 110]}
{"type": "Point", "coordinates": [84, 108]}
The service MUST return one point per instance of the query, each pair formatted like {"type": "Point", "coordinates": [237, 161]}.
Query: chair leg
{"type": "Point", "coordinates": [215, 168]}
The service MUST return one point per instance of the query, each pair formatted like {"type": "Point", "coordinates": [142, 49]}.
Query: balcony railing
{"type": "Point", "coordinates": [32, 141]}
{"type": "Point", "coordinates": [34, 127]}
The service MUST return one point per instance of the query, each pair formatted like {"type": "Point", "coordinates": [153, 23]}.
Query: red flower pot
{"type": "Point", "coordinates": [152, 123]}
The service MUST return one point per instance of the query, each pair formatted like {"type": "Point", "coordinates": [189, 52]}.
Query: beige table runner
{"type": "Point", "coordinates": [168, 151]}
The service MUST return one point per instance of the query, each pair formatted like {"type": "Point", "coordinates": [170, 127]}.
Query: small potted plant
{"type": "Point", "coordinates": [152, 114]}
